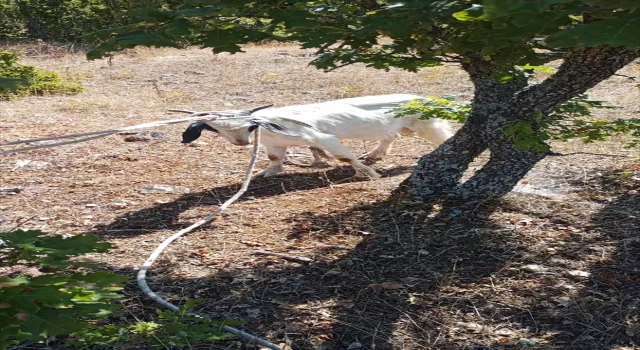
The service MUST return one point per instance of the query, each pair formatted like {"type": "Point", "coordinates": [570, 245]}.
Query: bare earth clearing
{"type": "Point", "coordinates": [560, 271]}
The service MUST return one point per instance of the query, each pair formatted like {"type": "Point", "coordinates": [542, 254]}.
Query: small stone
{"type": "Point", "coordinates": [197, 144]}
{"type": "Point", "coordinates": [156, 135]}
{"type": "Point", "coordinates": [525, 341]}
{"type": "Point", "coordinates": [90, 205]}
{"type": "Point", "coordinates": [119, 205]}
{"type": "Point", "coordinates": [30, 164]}
{"type": "Point", "coordinates": [534, 268]}
{"type": "Point", "coordinates": [164, 189]}
{"type": "Point", "coordinates": [253, 313]}
{"type": "Point", "coordinates": [354, 345]}
{"type": "Point", "coordinates": [109, 155]}
{"type": "Point", "coordinates": [504, 332]}
{"type": "Point", "coordinates": [141, 137]}
{"type": "Point", "coordinates": [579, 273]}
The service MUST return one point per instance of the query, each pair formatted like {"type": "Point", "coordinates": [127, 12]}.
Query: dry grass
{"type": "Point", "coordinates": [561, 273]}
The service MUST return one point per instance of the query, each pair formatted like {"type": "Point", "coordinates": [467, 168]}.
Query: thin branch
{"type": "Point", "coordinates": [626, 76]}
{"type": "Point", "coordinates": [338, 67]}
{"type": "Point", "coordinates": [298, 259]}
{"type": "Point", "coordinates": [21, 223]}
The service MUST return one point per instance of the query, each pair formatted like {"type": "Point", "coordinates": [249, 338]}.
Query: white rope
{"type": "Point", "coordinates": [142, 272]}
{"type": "Point", "coordinates": [196, 116]}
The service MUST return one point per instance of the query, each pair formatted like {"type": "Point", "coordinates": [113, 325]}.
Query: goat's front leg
{"type": "Point", "coordinates": [276, 156]}
{"type": "Point", "coordinates": [343, 154]}
{"type": "Point", "coordinates": [381, 150]}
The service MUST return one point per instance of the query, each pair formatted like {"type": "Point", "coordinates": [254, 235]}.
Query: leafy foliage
{"type": "Point", "coordinates": [60, 20]}
{"type": "Point", "coordinates": [414, 33]}
{"type": "Point", "coordinates": [180, 330]}
{"type": "Point", "coordinates": [20, 80]}
{"type": "Point", "coordinates": [434, 107]}
{"type": "Point", "coordinates": [572, 120]}
{"type": "Point", "coordinates": [53, 303]}
{"type": "Point", "coordinates": [64, 301]}
{"type": "Point", "coordinates": [11, 22]}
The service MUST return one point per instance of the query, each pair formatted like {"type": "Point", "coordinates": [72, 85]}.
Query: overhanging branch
{"type": "Point", "coordinates": [581, 70]}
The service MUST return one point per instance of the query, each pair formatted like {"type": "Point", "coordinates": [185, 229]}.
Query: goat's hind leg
{"type": "Point", "coordinates": [343, 154]}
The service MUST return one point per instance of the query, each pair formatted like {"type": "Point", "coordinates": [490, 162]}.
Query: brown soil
{"type": "Point", "coordinates": [559, 272]}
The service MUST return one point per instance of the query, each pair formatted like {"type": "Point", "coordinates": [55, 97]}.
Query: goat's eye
{"type": "Point", "coordinates": [252, 127]}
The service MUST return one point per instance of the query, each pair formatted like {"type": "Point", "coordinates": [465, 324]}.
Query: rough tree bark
{"type": "Point", "coordinates": [438, 174]}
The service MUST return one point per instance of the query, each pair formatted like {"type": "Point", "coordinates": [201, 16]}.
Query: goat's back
{"type": "Point", "coordinates": [366, 117]}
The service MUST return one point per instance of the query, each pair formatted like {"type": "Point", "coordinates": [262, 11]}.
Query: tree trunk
{"type": "Point", "coordinates": [438, 174]}
{"type": "Point", "coordinates": [506, 167]}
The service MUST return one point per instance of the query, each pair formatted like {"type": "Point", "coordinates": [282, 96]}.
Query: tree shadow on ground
{"type": "Point", "coordinates": [165, 216]}
{"type": "Point", "coordinates": [605, 313]}
{"type": "Point", "coordinates": [418, 279]}
{"type": "Point", "coordinates": [394, 288]}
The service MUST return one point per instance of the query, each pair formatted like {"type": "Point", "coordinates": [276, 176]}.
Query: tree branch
{"type": "Point", "coordinates": [581, 70]}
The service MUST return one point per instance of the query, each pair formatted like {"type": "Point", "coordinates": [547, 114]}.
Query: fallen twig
{"type": "Point", "coordinates": [556, 154]}
{"type": "Point", "coordinates": [22, 223]}
{"type": "Point", "coordinates": [11, 190]}
{"type": "Point", "coordinates": [330, 246]}
{"type": "Point", "coordinates": [298, 259]}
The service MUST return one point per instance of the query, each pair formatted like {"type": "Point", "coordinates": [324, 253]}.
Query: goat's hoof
{"type": "Point", "coordinates": [371, 157]}
{"type": "Point", "coordinates": [320, 164]}
{"type": "Point", "coordinates": [268, 173]}
{"type": "Point", "coordinates": [371, 176]}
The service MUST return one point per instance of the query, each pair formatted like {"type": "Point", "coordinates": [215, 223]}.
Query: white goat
{"type": "Point", "coordinates": [321, 126]}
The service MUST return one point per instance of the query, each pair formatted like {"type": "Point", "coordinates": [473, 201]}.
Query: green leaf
{"type": "Point", "coordinates": [623, 31]}
{"type": "Point", "coordinates": [20, 237]}
{"type": "Point", "coordinates": [10, 83]}
{"type": "Point", "coordinates": [100, 278]}
{"type": "Point", "coordinates": [10, 282]}
{"type": "Point", "coordinates": [545, 69]}
{"type": "Point", "coordinates": [471, 14]}
{"type": "Point", "coordinates": [5, 335]}
{"type": "Point", "coordinates": [48, 322]}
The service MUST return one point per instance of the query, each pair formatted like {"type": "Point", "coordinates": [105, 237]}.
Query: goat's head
{"type": "Point", "coordinates": [235, 126]}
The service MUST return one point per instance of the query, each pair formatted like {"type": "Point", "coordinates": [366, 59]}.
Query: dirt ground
{"type": "Point", "coordinates": [559, 270]}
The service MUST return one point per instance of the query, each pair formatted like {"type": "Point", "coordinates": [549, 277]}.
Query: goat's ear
{"type": "Point", "coordinates": [208, 127]}
{"type": "Point", "coordinates": [253, 110]}
{"type": "Point", "coordinates": [194, 131]}
{"type": "Point", "coordinates": [273, 127]}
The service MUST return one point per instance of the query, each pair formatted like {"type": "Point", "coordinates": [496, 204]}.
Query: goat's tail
{"type": "Point", "coordinates": [433, 130]}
